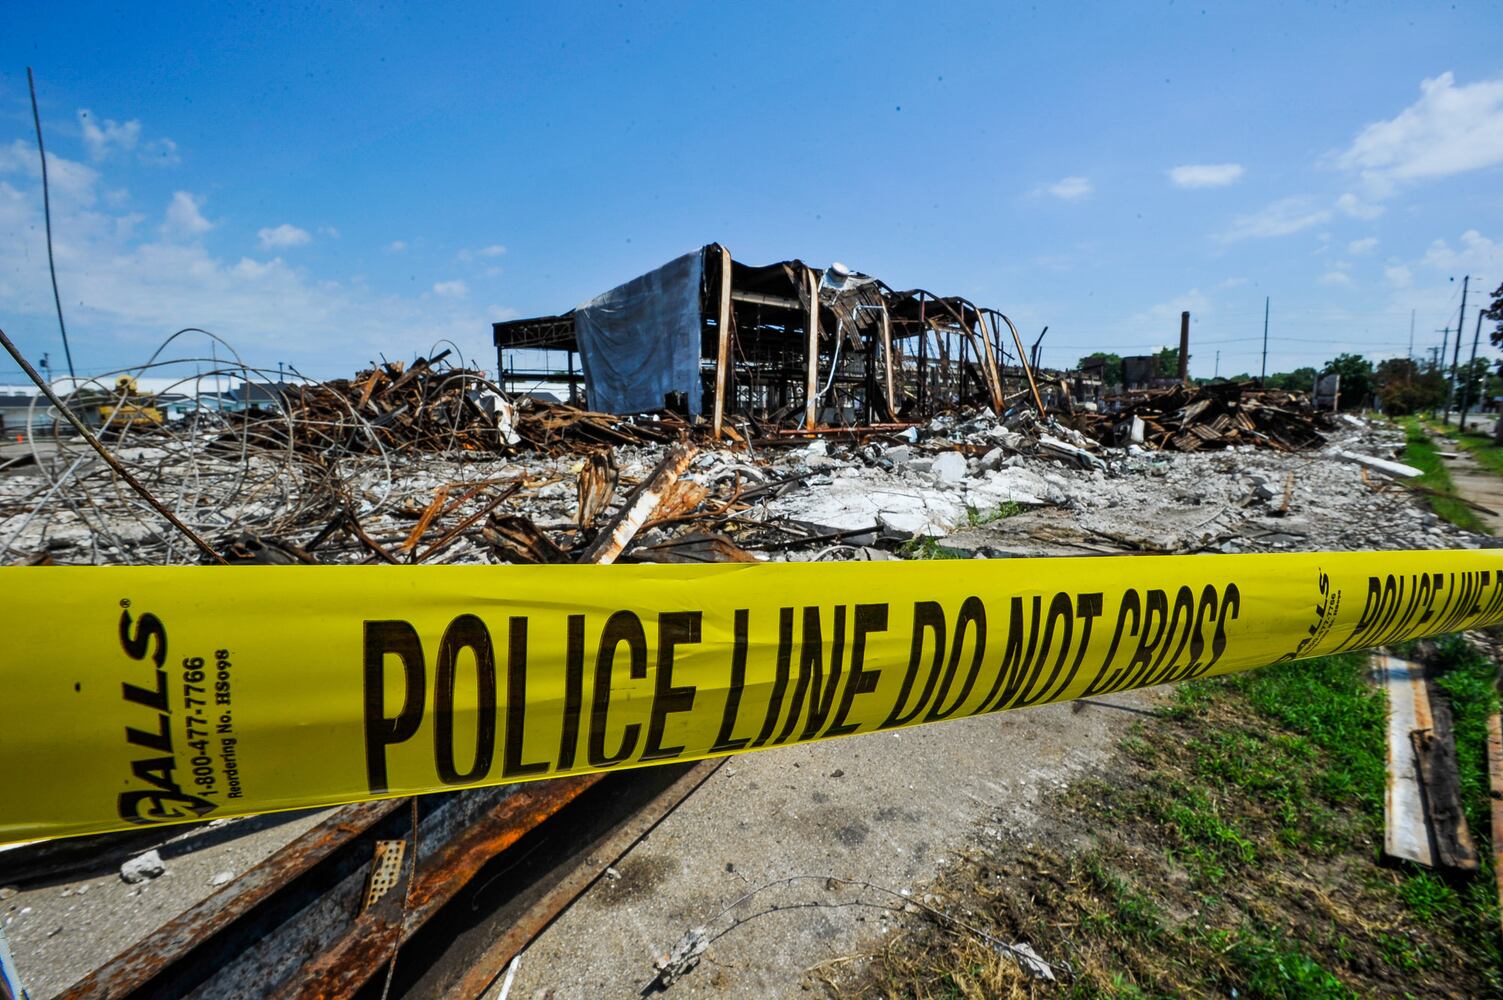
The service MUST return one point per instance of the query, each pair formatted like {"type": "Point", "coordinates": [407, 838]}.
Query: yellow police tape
{"type": "Point", "coordinates": [159, 695]}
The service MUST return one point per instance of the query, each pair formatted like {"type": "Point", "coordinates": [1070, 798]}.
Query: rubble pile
{"type": "Point", "coordinates": [427, 464]}
{"type": "Point", "coordinates": [1221, 415]}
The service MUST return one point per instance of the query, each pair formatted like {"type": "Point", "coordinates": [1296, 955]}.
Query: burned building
{"type": "Point", "coordinates": [780, 346]}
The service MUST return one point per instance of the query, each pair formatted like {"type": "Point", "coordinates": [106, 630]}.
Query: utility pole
{"type": "Point", "coordinates": [1445, 342]}
{"type": "Point", "coordinates": [1217, 373]}
{"type": "Point", "coordinates": [1262, 374]}
{"type": "Point", "coordinates": [1466, 396]}
{"type": "Point", "coordinates": [1456, 351]}
{"type": "Point", "coordinates": [1411, 335]}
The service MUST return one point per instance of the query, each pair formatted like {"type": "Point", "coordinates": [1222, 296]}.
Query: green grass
{"type": "Point", "coordinates": [927, 547]}
{"type": "Point", "coordinates": [1232, 848]}
{"type": "Point", "coordinates": [1420, 451]}
{"type": "Point", "coordinates": [1004, 510]}
{"type": "Point", "coordinates": [1488, 454]}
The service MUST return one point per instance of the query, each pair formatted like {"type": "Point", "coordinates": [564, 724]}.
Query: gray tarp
{"type": "Point", "coordinates": [640, 341]}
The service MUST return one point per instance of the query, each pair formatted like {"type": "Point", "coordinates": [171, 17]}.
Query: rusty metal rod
{"type": "Point", "coordinates": [459, 528]}
{"type": "Point", "coordinates": [1023, 361]}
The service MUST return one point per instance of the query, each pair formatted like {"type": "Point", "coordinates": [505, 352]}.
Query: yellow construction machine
{"type": "Point", "coordinates": [129, 407]}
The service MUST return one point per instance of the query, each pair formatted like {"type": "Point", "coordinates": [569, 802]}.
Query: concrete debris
{"type": "Point", "coordinates": [948, 467]}
{"type": "Point", "coordinates": [1380, 465]}
{"type": "Point", "coordinates": [143, 868]}
{"type": "Point", "coordinates": [681, 960]}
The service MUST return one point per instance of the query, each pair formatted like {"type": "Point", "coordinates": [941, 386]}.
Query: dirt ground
{"type": "Point", "coordinates": [890, 809]}
{"type": "Point", "coordinates": [1479, 486]}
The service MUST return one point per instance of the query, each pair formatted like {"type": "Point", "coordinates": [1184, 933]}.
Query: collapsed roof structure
{"type": "Point", "coordinates": [783, 345]}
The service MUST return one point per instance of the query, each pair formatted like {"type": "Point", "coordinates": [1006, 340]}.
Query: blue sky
{"type": "Point", "coordinates": [323, 185]}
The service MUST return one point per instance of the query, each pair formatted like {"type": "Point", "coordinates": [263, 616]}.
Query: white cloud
{"type": "Point", "coordinates": [1398, 275]}
{"type": "Point", "coordinates": [328, 231]}
{"type": "Point", "coordinates": [1206, 175]}
{"type": "Point", "coordinates": [184, 218]}
{"type": "Point", "coordinates": [127, 285]}
{"type": "Point", "coordinates": [494, 250]}
{"type": "Point", "coordinates": [102, 138]}
{"type": "Point", "coordinates": [1363, 246]}
{"type": "Point", "coordinates": [70, 181]}
{"type": "Point", "coordinates": [1337, 277]}
{"type": "Point", "coordinates": [1165, 315]}
{"type": "Point", "coordinates": [1477, 253]}
{"type": "Point", "coordinates": [162, 152]}
{"type": "Point", "coordinates": [1355, 207]}
{"type": "Point", "coordinates": [285, 235]}
{"type": "Point", "coordinates": [451, 289]}
{"type": "Point", "coordinates": [396, 246]}
{"type": "Point", "coordinates": [1069, 188]}
{"type": "Point", "coordinates": [106, 137]}
{"type": "Point", "coordinates": [1279, 218]}
{"type": "Point", "coordinates": [1449, 130]}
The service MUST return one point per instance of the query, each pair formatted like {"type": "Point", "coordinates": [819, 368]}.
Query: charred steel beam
{"type": "Point", "coordinates": [368, 944]}
{"type": "Point", "coordinates": [723, 341]}
{"type": "Point", "coordinates": [623, 527]}
{"type": "Point", "coordinates": [147, 964]}
{"type": "Point", "coordinates": [573, 876]}
{"type": "Point", "coordinates": [811, 379]}
{"type": "Point", "coordinates": [1023, 363]}
{"type": "Point", "coordinates": [761, 299]}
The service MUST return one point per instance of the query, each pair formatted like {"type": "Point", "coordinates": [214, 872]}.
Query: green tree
{"type": "Point", "coordinates": [1166, 362]}
{"type": "Point", "coordinates": [1471, 383]}
{"type": "Point", "coordinates": [1111, 371]}
{"type": "Point", "coordinates": [1299, 380]}
{"type": "Point", "coordinates": [1406, 388]}
{"type": "Point", "coordinates": [1494, 315]}
{"type": "Point", "coordinates": [1356, 379]}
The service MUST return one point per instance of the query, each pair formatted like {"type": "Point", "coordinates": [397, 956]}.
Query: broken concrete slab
{"type": "Point", "coordinates": [949, 467]}
{"type": "Point", "coordinates": [143, 867]}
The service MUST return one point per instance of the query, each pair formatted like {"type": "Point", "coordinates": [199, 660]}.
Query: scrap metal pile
{"type": "Point", "coordinates": [1220, 415]}
{"type": "Point", "coordinates": [428, 407]}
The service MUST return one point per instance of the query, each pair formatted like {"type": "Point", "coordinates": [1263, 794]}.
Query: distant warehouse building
{"type": "Point", "coordinates": [16, 412]}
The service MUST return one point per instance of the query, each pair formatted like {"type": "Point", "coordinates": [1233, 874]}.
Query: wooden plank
{"type": "Point", "coordinates": [1406, 833]}
{"type": "Point", "coordinates": [1495, 776]}
{"type": "Point", "coordinates": [723, 354]}
{"type": "Point", "coordinates": [1440, 780]}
